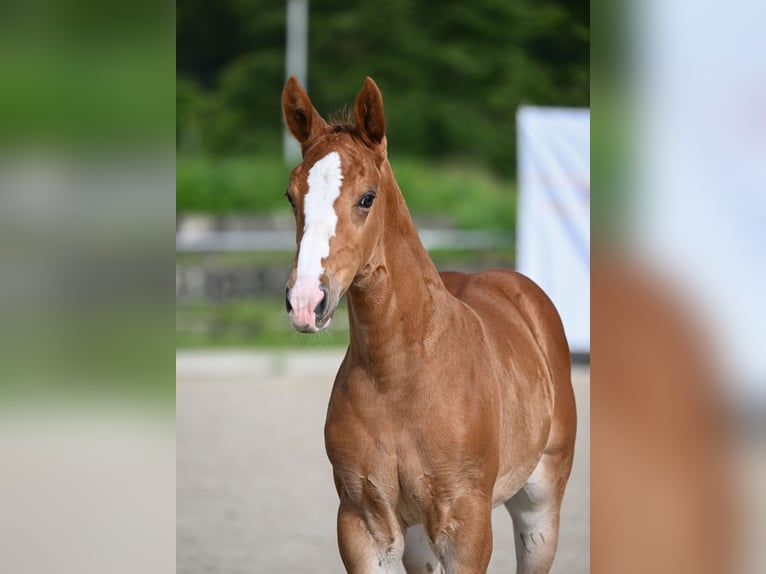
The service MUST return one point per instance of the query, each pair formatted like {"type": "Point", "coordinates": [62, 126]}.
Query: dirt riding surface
{"type": "Point", "coordinates": [254, 486]}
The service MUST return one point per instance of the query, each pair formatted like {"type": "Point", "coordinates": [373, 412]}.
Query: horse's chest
{"type": "Point", "coordinates": [403, 467]}
{"type": "Point", "coordinates": [401, 485]}
{"type": "Point", "coordinates": [363, 442]}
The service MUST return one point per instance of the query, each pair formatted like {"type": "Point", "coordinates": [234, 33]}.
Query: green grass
{"type": "Point", "coordinates": [259, 322]}
{"type": "Point", "coordinates": [230, 185]}
{"type": "Point", "coordinates": [471, 196]}
{"type": "Point", "coordinates": [262, 322]}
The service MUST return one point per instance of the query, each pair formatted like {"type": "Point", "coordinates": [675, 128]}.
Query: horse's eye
{"type": "Point", "coordinates": [290, 199]}
{"type": "Point", "coordinates": [366, 200]}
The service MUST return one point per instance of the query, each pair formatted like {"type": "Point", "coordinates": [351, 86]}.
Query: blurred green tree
{"type": "Point", "coordinates": [452, 73]}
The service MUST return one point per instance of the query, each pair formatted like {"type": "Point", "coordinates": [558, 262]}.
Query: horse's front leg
{"type": "Point", "coordinates": [369, 543]}
{"type": "Point", "coordinates": [462, 536]}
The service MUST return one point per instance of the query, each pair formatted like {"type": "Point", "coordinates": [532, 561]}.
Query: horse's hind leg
{"type": "Point", "coordinates": [418, 556]}
{"type": "Point", "coordinates": [535, 513]}
{"type": "Point", "coordinates": [535, 508]}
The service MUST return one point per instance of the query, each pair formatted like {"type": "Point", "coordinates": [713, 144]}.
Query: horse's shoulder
{"type": "Point", "coordinates": [495, 292]}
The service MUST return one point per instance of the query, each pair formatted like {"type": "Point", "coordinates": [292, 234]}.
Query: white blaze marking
{"type": "Point", "coordinates": [325, 178]}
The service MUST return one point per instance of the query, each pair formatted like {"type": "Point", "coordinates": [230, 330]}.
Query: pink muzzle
{"type": "Point", "coordinates": [306, 301]}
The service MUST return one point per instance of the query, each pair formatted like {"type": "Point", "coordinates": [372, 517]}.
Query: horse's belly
{"type": "Point", "coordinates": [522, 443]}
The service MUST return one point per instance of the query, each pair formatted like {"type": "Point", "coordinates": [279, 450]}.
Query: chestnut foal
{"type": "Point", "coordinates": [454, 395]}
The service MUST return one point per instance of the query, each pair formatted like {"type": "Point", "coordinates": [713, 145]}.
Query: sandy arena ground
{"type": "Point", "coordinates": [254, 487]}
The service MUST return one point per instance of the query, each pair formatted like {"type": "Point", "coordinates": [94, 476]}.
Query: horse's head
{"type": "Point", "coordinates": [337, 199]}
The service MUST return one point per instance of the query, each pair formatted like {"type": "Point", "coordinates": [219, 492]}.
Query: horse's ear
{"type": "Point", "coordinates": [368, 110]}
{"type": "Point", "coordinates": [303, 121]}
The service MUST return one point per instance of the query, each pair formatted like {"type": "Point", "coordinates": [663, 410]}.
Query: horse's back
{"type": "Point", "coordinates": [495, 293]}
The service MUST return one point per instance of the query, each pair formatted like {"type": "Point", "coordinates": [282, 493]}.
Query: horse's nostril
{"type": "Point", "coordinates": [322, 305]}
{"type": "Point", "coordinates": [287, 300]}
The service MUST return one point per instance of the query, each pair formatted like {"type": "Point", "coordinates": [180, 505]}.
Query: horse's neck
{"type": "Point", "coordinates": [392, 307]}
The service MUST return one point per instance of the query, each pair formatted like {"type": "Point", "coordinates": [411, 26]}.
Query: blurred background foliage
{"type": "Point", "coordinates": [85, 75]}
{"type": "Point", "coordinates": [86, 199]}
{"type": "Point", "coordinates": [453, 74]}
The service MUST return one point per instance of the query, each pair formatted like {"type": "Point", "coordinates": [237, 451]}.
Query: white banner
{"type": "Point", "coordinates": [554, 211]}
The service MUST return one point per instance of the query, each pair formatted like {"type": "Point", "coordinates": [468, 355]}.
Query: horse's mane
{"type": "Point", "coordinates": [342, 119]}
